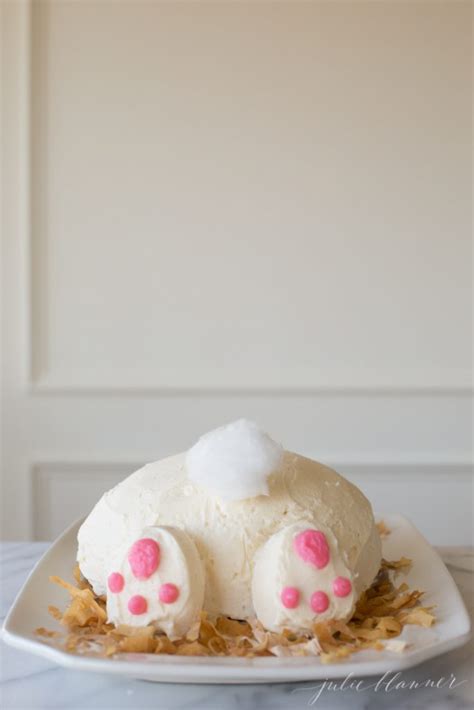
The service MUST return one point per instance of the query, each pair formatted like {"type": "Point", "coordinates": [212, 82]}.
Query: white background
{"type": "Point", "coordinates": [223, 209]}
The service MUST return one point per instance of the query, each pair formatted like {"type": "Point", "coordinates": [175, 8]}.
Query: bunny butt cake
{"type": "Point", "coordinates": [235, 527]}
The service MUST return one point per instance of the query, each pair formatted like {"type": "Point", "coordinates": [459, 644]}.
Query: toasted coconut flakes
{"type": "Point", "coordinates": [379, 617]}
{"type": "Point", "coordinates": [55, 612]}
{"type": "Point", "coordinates": [76, 573]}
{"type": "Point", "coordinates": [217, 646]}
{"type": "Point", "coordinates": [193, 649]}
{"type": "Point", "coordinates": [336, 654]}
{"type": "Point", "coordinates": [137, 644]}
{"type": "Point", "coordinates": [382, 528]}
{"type": "Point", "coordinates": [395, 645]}
{"type": "Point", "coordinates": [421, 616]}
{"type": "Point", "coordinates": [305, 648]}
{"type": "Point", "coordinates": [164, 645]}
{"type": "Point", "coordinates": [193, 633]}
{"type": "Point", "coordinates": [207, 631]}
{"type": "Point", "coordinates": [403, 564]}
{"type": "Point", "coordinates": [84, 607]}
{"type": "Point", "coordinates": [41, 631]}
{"type": "Point", "coordinates": [233, 628]}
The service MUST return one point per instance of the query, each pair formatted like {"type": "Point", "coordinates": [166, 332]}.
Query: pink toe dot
{"type": "Point", "coordinates": [168, 593]}
{"type": "Point", "coordinates": [115, 582]}
{"type": "Point", "coordinates": [319, 602]}
{"type": "Point", "coordinates": [341, 586]}
{"type": "Point", "coordinates": [137, 605]}
{"type": "Point", "coordinates": [312, 547]}
{"type": "Point", "coordinates": [144, 558]}
{"type": "Point", "coordinates": [290, 597]}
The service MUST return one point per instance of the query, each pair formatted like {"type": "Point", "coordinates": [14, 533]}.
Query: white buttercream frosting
{"type": "Point", "coordinates": [234, 461]}
{"type": "Point", "coordinates": [278, 566]}
{"type": "Point", "coordinates": [228, 534]}
{"type": "Point", "coordinates": [179, 565]}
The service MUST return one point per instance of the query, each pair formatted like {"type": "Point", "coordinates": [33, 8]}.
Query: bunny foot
{"type": "Point", "coordinates": [159, 580]}
{"type": "Point", "coordinates": [300, 577]}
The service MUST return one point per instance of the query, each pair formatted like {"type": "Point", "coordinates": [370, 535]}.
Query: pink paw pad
{"type": "Point", "coordinates": [312, 547]}
{"type": "Point", "coordinates": [319, 602]}
{"type": "Point", "coordinates": [144, 558]}
{"type": "Point", "coordinates": [168, 593]}
{"type": "Point", "coordinates": [341, 587]}
{"type": "Point", "coordinates": [115, 582]}
{"type": "Point", "coordinates": [137, 605]}
{"type": "Point", "coordinates": [290, 597]}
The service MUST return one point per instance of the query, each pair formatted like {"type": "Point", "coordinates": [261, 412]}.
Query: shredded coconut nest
{"type": "Point", "coordinates": [380, 615]}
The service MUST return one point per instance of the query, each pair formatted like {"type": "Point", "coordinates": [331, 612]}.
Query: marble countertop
{"type": "Point", "coordinates": [27, 681]}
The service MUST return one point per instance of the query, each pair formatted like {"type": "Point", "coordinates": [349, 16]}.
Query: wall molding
{"type": "Point", "coordinates": [45, 473]}
{"type": "Point", "coordinates": [39, 386]}
{"type": "Point", "coordinates": [78, 464]}
{"type": "Point", "coordinates": [40, 382]}
{"type": "Point", "coordinates": [382, 480]}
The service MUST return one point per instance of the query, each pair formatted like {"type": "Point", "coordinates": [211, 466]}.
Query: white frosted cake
{"type": "Point", "coordinates": [236, 527]}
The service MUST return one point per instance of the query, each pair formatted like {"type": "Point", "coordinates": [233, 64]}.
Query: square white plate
{"type": "Point", "coordinates": [428, 573]}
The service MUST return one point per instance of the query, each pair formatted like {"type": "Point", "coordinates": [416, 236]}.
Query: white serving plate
{"type": "Point", "coordinates": [452, 629]}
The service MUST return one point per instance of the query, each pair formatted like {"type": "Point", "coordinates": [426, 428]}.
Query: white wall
{"type": "Point", "coordinates": [218, 209]}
